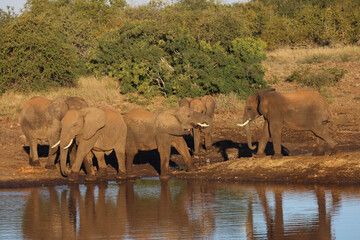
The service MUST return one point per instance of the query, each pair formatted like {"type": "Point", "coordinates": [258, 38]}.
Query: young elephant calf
{"type": "Point", "coordinates": [96, 130]}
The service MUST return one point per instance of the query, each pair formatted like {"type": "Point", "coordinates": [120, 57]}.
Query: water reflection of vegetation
{"type": "Point", "coordinates": [175, 209]}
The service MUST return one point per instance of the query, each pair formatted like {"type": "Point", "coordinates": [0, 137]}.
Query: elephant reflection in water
{"type": "Point", "coordinates": [45, 218]}
{"type": "Point", "coordinates": [74, 216]}
{"type": "Point", "coordinates": [172, 217]}
{"type": "Point", "coordinates": [321, 229]}
{"type": "Point", "coordinates": [96, 214]}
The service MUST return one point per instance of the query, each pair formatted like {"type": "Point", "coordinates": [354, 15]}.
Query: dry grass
{"type": "Point", "coordinates": [281, 63]}
{"type": "Point", "coordinates": [105, 91]}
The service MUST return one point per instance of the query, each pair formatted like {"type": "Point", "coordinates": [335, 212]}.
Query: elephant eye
{"type": "Point", "coordinates": [249, 108]}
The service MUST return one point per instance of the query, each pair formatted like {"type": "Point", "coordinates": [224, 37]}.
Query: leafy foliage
{"type": "Point", "coordinates": [184, 48]}
{"type": "Point", "coordinates": [34, 56]}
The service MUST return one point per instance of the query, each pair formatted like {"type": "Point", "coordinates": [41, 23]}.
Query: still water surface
{"type": "Point", "coordinates": [152, 209]}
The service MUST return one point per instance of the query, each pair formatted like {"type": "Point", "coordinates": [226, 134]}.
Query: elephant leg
{"type": "Point", "coordinates": [208, 140]}
{"type": "Point", "coordinates": [82, 151]}
{"type": "Point", "coordinates": [33, 156]}
{"type": "Point", "coordinates": [164, 148]}
{"type": "Point", "coordinates": [102, 167]}
{"type": "Point", "coordinates": [50, 164]}
{"type": "Point", "coordinates": [197, 143]}
{"type": "Point", "coordinates": [320, 148]}
{"type": "Point", "coordinates": [322, 132]}
{"type": "Point", "coordinates": [120, 155]}
{"type": "Point", "coordinates": [88, 163]}
{"type": "Point", "coordinates": [275, 131]}
{"type": "Point", "coordinates": [180, 146]}
{"type": "Point", "coordinates": [130, 155]}
{"type": "Point", "coordinates": [263, 140]}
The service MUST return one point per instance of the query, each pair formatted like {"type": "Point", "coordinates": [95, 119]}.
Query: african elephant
{"type": "Point", "coordinates": [40, 120]}
{"type": "Point", "coordinates": [205, 105]}
{"type": "Point", "coordinates": [96, 130]}
{"type": "Point", "coordinates": [301, 110]}
{"type": "Point", "coordinates": [149, 131]}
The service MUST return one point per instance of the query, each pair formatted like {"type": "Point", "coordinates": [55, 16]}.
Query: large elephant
{"type": "Point", "coordinates": [99, 131]}
{"type": "Point", "coordinates": [205, 105]}
{"type": "Point", "coordinates": [40, 120]}
{"type": "Point", "coordinates": [149, 131]}
{"type": "Point", "coordinates": [301, 110]}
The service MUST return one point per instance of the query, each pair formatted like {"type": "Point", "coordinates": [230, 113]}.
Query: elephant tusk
{"type": "Point", "coordinates": [67, 146]}
{"type": "Point", "coordinates": [56, 144]}
{"type": "Point", "coordinates": [203, 124]}
{"type": "Point", "coordinates": [243, 124]}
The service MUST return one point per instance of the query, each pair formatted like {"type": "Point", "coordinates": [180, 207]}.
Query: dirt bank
{"type": "Point", "coordinates": [229, 159]}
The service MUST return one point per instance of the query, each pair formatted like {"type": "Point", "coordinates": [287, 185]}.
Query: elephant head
{"type": "Point", "coordinates": [62, 104]}
{"type": "Point", "coordinates": [81, 124]}
{"type": "Point", "coordinates": [252, 111]}
{"type": "Point", "coordinates": [179, 121]}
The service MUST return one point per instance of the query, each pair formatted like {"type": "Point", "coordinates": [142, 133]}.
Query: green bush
{"type": "Point", "coordinates": [317, 78]}
{"type": "Point", "coordinates": [34, 56]}
{"type": "Point", "coordinates": [146, 59]}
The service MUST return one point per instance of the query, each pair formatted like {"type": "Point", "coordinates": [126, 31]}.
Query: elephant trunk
{"type": "Point", "coordinates": [248, 136]}
{"type": "Point", "coordinates": [65, 143]}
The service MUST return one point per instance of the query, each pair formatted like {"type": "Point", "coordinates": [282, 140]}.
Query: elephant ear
{"type": "Point", "coordinates": [262, 105]}
{"type": "Point", "coordinates": [198, 105]}
{"type": "Point", "coordinates": [94, 120]}
{"type": "Point", "coordinates": [167, 122]}
{"type": "Point", "coordinates": [261, 93]}
{"type": "Point", "coordinates": [76, 103]}
{"type": "Point", "coordinates": [58, 108]}
{"type": "Point", "coordinates": [185, 102]}
{"type": "Point", "coordinates": [209, 105]}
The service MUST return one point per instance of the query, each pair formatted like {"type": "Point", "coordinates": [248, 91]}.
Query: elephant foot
{"type": "Point", "coordinates": [259, 155]}
{"type": "Point", "coordinates": [73, 176]}
{"type": "Point", "coordinates": [164, 177]}
{"type": "Point", "coordinates": [35, 163]}
{"type": "Point", "coordinates": [334, 150]}
{"type": "Point", "coordinates": [131, 176]}
{"type": "Point", "coordinates": [103, 172]}
{"type": "Point", "coordinates": [50, 166]}
{"type": "Point", "coordinates": [277, 156]}
{"type": "Point", "coordinates": [90, 178]}
{"type": "Point", "coordinates": [318, 153]}
{"type": "Point", "coordinates": [121, 176]}
{"type": "Point", "coordinates": [190, 169]}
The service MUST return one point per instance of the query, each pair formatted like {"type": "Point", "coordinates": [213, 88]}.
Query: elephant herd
{"type": "Point", "coordinates": [82, 132]}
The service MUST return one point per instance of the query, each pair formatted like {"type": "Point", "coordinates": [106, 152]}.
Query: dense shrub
{"type": "Point", "coordinates": [150, 61]}
{"type": "Point", "coordinates": [34, 56]}
{"type": "Point", "coordinates": [184, 48]}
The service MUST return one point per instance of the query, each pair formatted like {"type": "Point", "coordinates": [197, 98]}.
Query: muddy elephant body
{"type": "Point", "coordinates": [40, 120]}
{"type": "Point", "coordinates": [301, 110]}
{"type": "Point", "coordinates": [149, 131]}
{"type": "Point", "coordinates": [205, 105]}
{"type": "Point", "coordinates": [97, 131]}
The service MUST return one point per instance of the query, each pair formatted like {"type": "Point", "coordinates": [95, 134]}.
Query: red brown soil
{"type": "Point", "coordinates": [229, 159]}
